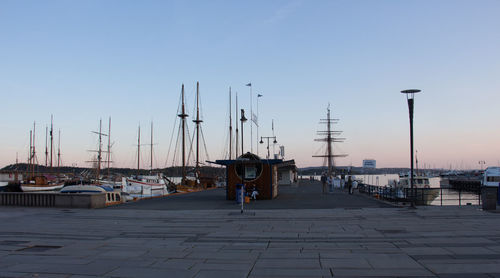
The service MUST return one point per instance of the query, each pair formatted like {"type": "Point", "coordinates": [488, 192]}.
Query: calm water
{"type": "Point", "coordinates": [447, 197]}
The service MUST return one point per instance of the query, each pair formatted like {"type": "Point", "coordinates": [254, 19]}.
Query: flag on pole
{"type": "Point", "coordinates": [254, 119]}
{"type": "Point", "coordinates": [249, 84]}
{"type": "Point", "coordinates": [259, 95]}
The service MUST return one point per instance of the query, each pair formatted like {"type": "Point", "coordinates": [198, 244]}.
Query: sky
{"type": "Point", "coordinates": [82, 61]}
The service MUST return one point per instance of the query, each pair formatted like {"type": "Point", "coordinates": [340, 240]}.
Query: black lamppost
{"type": "Point", "coordinates": [409, 96]}
{"type": "Point", "coordinates": [270, 137]}
{"type": "Point", "coordinates": [243, 119]}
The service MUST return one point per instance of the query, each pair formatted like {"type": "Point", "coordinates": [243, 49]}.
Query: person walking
{"type": "Point", "coordinates": [349, 185]}
{"type": "Point", "coordinates": [323, 182]}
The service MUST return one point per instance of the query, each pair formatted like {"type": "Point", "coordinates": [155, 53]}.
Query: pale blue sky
{"type": "Point", "coordinates": [85, 60]}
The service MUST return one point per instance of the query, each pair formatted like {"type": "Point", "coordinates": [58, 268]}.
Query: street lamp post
{"type": "Point", "coordinates": [268, 137]}
{"type": "Point", "coordinates": [410, 97]}
{"type": "Point", "coordinates": [243, 119]}
{"type": "Point", "coordinates": [481, 163]}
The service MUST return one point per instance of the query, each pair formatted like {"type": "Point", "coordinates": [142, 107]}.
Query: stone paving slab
{"type": "Point", "coordinates": [146, 272]}
{"type": "Point", "coordinates": [365, 242]}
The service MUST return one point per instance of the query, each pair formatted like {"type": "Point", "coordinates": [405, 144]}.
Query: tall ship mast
{"type": "Point", "coordinates": [197, 122]}
{"type": "Point", "coordinates": [183, 117]}
{"type": "Point", "coordinates": [36, 181]}
{"type": "Point", "coordinates": [329, 136]}
{"type": "Point", "coordinates": [230, 128]}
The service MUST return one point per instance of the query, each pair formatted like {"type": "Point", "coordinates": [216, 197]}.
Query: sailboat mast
{"type": "Point", "coordinates": [51, 138]}
{"type": "Point", "coordinates": [329, 142]}
{"type": "Point", "coordinates": [230, 127]}
{"type": "Point", "coordinates": [34, 152]}
{"type": "Point", "coordinates": [30, 155]}
{"type": "Point", "coordinates": [99, 151]}
{"type": "Point", "coordinates": [197, 122]}
{"type": "Point", "coordinates": [151, 169]}
{"type": "Point", "coordinates": [236, 119]}
{"type": "Point", "coordinates": [46, 147]}
{"type": "Point", "coordinates": [138, 150]}
{"type": "Point", "coordinates": [59, 150]}
{"type": "Point", "coordinates": [183, 116]}
{"type": "Point", "coordinates": [109, 144]}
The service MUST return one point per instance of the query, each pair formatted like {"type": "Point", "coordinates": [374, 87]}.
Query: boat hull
{"type": "Point", "coordinates": [44, 187]}
{"type": "Point", "coordinates": [151, 186]}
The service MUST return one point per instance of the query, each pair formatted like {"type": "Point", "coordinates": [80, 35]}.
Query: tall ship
{"type": "Point", "coordinates": [35, 181]}
{"type": "Point", "coordinates": [329, 136]}
{"type": "Point", "coordinates": [189, 150]}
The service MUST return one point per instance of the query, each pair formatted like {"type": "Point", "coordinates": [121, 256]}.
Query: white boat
{"type": "Point", "coordinates": [113, 197]}
{"type": "Point", "coordinates": [424, 194]}
{"type": "Point", "coordinates": [3, 184]}
{"type": "Point", "coordinates": [86, 188]}
{"type": "Point", "coordinates": [153, 185]}
{"type": "Point", "coordinates": [143, 186]}
{"type": "Point", "coordinates": [491, 177]}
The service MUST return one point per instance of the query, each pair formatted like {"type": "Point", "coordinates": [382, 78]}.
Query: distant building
{"type": "Point", "coordinates": [287, 172]}
{"type": "Point", "coordinates": [370, 163]}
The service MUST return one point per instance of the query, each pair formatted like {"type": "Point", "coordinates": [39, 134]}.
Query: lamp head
{"type": "Point", "coordinates": [274, 142]}
{"type": "Point", "coordinates": [410, 93]}
{"type": "Point", "coordinates": [262, 142]}
{"type": "Point", "coordinates": [243, 119]}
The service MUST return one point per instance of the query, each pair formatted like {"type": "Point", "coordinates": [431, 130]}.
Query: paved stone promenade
{"type": "Point", "coordinates": [338, 242]}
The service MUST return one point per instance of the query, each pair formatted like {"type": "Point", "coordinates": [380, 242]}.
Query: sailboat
{"type": "Point", "coordinates": [36, 182]}
{"type": "Point", "coordinates": [96, 185]}
{"type": "Point", "coordinates": [145, 185]}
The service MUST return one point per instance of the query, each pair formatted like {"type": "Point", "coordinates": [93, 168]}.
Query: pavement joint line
{"type": "Point", "coordinates": [254, 263]}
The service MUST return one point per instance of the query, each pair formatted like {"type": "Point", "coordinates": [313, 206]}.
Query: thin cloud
{"type": "Point", "coordinates": [284, 12]}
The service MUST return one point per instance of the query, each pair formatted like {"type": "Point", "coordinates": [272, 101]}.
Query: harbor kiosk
{"type": "Point", "coordinates": [252, 171]}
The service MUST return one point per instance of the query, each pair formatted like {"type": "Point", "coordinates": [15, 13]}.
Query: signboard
{"type": "Point", "coordinates": [250, 172]}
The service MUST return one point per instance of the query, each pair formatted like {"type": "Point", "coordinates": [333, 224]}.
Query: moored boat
{"type": "Point", "coordinates": [423, 193]}
{"type": "Point", "coordinates": [40, 183]}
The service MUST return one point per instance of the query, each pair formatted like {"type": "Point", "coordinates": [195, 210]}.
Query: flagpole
{"type": "Point", "coordinates": [257, 122]}
{"type": "Point", "coordinates": [251, 116]}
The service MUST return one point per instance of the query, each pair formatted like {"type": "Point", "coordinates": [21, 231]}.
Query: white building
{"type": "Point", "coordinates": [370, 163]}
{"type": "Point", "coordinates": [287, 173]}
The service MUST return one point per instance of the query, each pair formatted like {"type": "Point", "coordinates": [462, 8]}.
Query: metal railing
{"type": "Point", "coordinates": [423, 196]}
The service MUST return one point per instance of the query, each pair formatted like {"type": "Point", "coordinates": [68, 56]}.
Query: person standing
{"type": "Point", "coordinates": [323, 182]}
